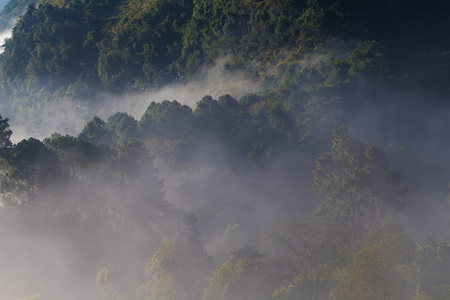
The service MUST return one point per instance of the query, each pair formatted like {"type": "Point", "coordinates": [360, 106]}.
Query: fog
{"type": "Point", "coordinates": [260, 182]}
{"type": "Point", "coordinates": [101, 228]}
{"type": "Point", "coordinates": [67, 116]}
{"type": "Point", "coordinates": [64, 262]}
{"type": "Point", "coordinates": [415, 136]}
{"type": "Point", "coordinates": [4, 35]}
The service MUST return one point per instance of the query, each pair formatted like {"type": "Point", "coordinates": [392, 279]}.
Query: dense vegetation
{"type": "Point", "coordinates": [272, 195]}
{"type": "Point", "coordinates": [80, 48]}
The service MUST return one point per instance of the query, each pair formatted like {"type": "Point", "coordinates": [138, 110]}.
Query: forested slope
{"type": "Point", "coordinates": [78, 48]}
{"type": "Point", "coordinates": [330, 181]}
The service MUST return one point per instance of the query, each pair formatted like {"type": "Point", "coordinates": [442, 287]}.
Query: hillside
{"type": "Point", "coordinates": [80, 48]}
{"type": "Point", "coordinates": [225, 149]}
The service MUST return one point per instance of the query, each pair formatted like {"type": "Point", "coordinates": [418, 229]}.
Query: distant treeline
{"type": "Point", "coordinates": [79, 48]}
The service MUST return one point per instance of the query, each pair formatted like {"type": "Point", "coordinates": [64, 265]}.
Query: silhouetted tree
{"type": "Point", "coordinates": [95, 131]}
{"type": "Point", "coordinates": [168, 119]}
{"type": "Point", "coordinates": [32, 174]}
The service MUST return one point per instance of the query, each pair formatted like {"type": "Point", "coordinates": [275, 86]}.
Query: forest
{"type": "Point", "coordinates": [233, 150]}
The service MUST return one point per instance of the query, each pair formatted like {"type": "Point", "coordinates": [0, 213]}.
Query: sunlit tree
{"type": "Point", "coordinates": [382, 269]}
{"type": "Point", "coordinates": [75, 154]}
{"type": "Point", "coordinates": [356, 181]}
{"type": "Point", "coordinates": [223, 276]}
{"type": "Point", "coordinates": [121, 127]}
{"type": "Point", "coordinates": [159, 270]}
{"type": "Point", "coordinates": [108, 281]}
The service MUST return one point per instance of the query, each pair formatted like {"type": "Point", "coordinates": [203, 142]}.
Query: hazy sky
{"type": "Point", "coordinates": [3, 35]}
{"type": "Point", "coordinates": [3, 3]}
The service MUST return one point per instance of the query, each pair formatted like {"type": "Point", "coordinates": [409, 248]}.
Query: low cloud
{"type": "Point", "coordinates": [4, 35]}
{"type": "Point", "coordinates": [67, 116]}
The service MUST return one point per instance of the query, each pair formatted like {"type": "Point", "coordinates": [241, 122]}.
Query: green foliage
{"type": "Point", "coordinates": [65, 48]}
{"type": "Point", "coordinates": [132, 156]}
{"type": "Point", "coordinates": [381, 269]}
{"type": "Point", "coordinates": [223, 276]}
{"type": "Point", "coordinates": [11, 11]}
{"type": "Point", "coordinates": [248, 30]}
{"type": "Point", "coordinates": [317, 119]}
{"type": "Point", "coordinates": [356, 180]}
{"type": "Point", "coordinates": [94, 195]}
{"type": "Point", "coordinates": [95, 131]}
{"type": "Point", "coordinates": [368, 61]}
{"type": "Point", "coordinates": [107, 281]}
{"type": "Point", "coordinates": [138, 183]}
{"type": "Point", "coordinates": [159, 270]}
{"type": "Point", "coordinates": [368, 278]}
{"type": "Point", "coordinates": [46, 44]}
{"type": "Point", "coordinates": [5, 135]}
{"type": "Point", "coordinates": [143, 44]}
{"type": "Point", "coordinates": [54, 46]}
{"type": "Point", "coordinates": [208, 110]}
{"type": "Point", "coordinates": [80, 48]}
{"type": "Point", "coordinates": [169, 153]}
{"type": "Point", "coordinates": [311, 250]}
{"type": "Point", "coordinates": [269, 115]}
{"type": "Point", "coordinates": [168, 119]}
{"type": "Point", "coordinates": [120, 127]}
{"type": "Point", "coordinates": [32, 174]}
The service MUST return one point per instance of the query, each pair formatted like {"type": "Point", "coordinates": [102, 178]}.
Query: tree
{"type": "Point", "coordinates": [368, 279]}
{"type": "Point", "coordinates": [310, 251]}
{"type": "Point", "coordinates": [356, 180]}
{"type": "Point", "coordinates": [231, 110]}
{"type": "Point", "coordinates": [121, 127]}
{"type": "Point", "coordinates": [137, 186]}
{"type": "Point", "coordinates": [210, 116]}
{"type": "Point", "coordinates": [317, 119]}
{"type": "Point", "coordinates": [75, 154]}
{"type": "Point", "coordinates": [223, 276]}
{"type": "Point", "coordinates": [433, 268]}
{"type": "Point", "coordinates": [5, 135]}
{"type": "Point", "coordinates": [382, 269]}
{"type": "Point", "coordinates": [32, 174]}
{"type": "Point", "coordinates": [95, 131]}
{"type": "Point", "coordinates": [159, 269]}
{"type": "Point", "coordinates": [368, 61]}
{"type": "Point", "coordinates": [168, 119]}
{"type": "Point", "coordinates": [109, 279]}
{"type": "Point", "coordinates": [5, 142]}
{"type": "Point", "coordinates": [133, 159]}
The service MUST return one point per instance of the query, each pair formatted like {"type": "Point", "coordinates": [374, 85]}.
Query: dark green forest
{"type": "Point", "coordinates": [330, 180]}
